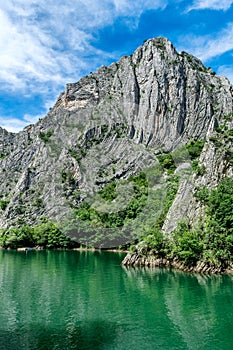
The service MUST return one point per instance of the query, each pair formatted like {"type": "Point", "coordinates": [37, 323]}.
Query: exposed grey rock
{"type": "Point", "coordinates": [135, 259]}
{"type": "Point", "coordinates": [110, 125]}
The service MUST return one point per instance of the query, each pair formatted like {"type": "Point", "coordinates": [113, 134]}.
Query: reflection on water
{"type": "Point", "coordinates": [86, 300]}
{"type": "Point", "coordinates": [94, 335]}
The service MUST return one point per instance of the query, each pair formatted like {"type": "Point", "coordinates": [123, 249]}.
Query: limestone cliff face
{"type": "Point", "coordinates": [110, 125]}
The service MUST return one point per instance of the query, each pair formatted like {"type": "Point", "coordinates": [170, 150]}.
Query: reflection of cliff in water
{"type": "Point", "coordinates": [93, 335]}
{"type": "Point", "coordinates": [195, 304]}
{"type": "Point", "coordinates": [49, 302]}
{"type": "Point", "coordinates": [86, 300]}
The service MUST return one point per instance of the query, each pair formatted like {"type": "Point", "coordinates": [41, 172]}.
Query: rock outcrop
{"type": "Point", "coordinates": [151, 261]}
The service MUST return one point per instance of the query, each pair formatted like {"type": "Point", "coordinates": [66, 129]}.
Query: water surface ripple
{"type": "Point", "coordinates": [87, 300]}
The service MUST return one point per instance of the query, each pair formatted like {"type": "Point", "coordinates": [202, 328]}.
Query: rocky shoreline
{"type": "Point", "coordinates": [139, 260]}
{"type": "Point", "coordinates": [136, 260]}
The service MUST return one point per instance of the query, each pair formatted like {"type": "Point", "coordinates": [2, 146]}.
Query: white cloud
{"type": "Point", "coordinates": [205, 47]}
{"type": "Point", "coordinates": [29, 56]}
{"type": "Point", "coordinates": [135, 8]}
{"type": "Point", "coordinates": [12, 124]}
{"type": "Point", "coordinates": [211, 4]}
{"type": "Point", "coordinates": [46, 42]}
{"type": "Point", "coordinates": [15, 125]}
{"type": "Point", "coordinates": [32, 119]}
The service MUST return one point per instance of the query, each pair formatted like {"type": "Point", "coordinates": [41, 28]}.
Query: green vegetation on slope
{"type": "Point", "coordinates": [212, 242]}
{"type": "Point", "coordinates": [4, 203]}
{"type": "Point", "coordinates": [195, 148]}
{"type": "Point", "coordinates": [45, 136]}
{"type": "Point", "coordinates": [185, 153]}
{"type": "Point", "coordinates": [124, 210]}
{"type": "Point", "coordinates": [87, 212]}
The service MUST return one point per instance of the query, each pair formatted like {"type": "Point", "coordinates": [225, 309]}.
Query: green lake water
{"type": "Point", "coordinates": [87, 300]}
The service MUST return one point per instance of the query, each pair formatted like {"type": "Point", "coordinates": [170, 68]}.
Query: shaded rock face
{"type": "Point", "coordinates": [110, 125]}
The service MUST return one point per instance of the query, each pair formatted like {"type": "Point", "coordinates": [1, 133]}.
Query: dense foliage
{"type": "Point", "coordinates": [212, 242]}
{"type": "Point", "coordinates": [46, 235]}
{"type": "Point", "coordinates": [167, 162]}
{"type": "Point", "coordinates": [87, 212]}
{"type": "Point", "coordinates": [45, 136]}
{"type": "Point", "coordinates": [4, 203]}
{"type": "Point", "coordinates": [194, 148]}
{"type": "Point", "coordinates": [185, 153]}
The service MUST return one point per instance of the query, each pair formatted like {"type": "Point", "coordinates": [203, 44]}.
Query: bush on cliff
{"type": "Point", "coordinates": [212, 243]}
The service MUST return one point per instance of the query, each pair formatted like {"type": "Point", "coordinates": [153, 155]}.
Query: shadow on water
{"type": "Point", "coordinates": [97, 334]}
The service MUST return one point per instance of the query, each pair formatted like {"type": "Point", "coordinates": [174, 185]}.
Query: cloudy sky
{"type": "Point", "coordinates": [45, 44]}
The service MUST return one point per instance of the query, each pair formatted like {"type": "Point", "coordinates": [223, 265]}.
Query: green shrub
{"type": "Point", "coordinates": [45, 136]}
{"type": "Point", "coordinates": [218, 230]}
{"type": "Point", "coordinates": [108, 193]}
{"type": "Point", "coordinates": [3, 155]}
{"type": "Point", "coordinates": [202, 194]}
{"type": "Point", "coordinates": [4, 203]}
{"type": "Point", "coordinates": [187, 245]}
{"type": "Point", "coordinates": [195, 148]}
{"type": "Point", "coordinates": [167, 162]}
{"type": "Point", "coordinates": [211, 243]}
{"type": "Point", "coordinates": [220, 205]}
{"type": "Point", "coordinates": [157, 242]}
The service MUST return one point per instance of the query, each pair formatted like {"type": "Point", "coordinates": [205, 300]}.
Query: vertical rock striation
{"type": "Point", "coordinates": [110, 125]}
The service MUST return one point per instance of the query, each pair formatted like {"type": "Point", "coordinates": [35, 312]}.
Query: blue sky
{"type": "Point", "coordinates": [45, 44]}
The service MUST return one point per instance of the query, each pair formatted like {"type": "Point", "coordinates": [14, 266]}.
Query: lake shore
{"type": "Point", "coordinates": [137, 260]}
{"type": "Point", "coordinates": [80, 249]}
